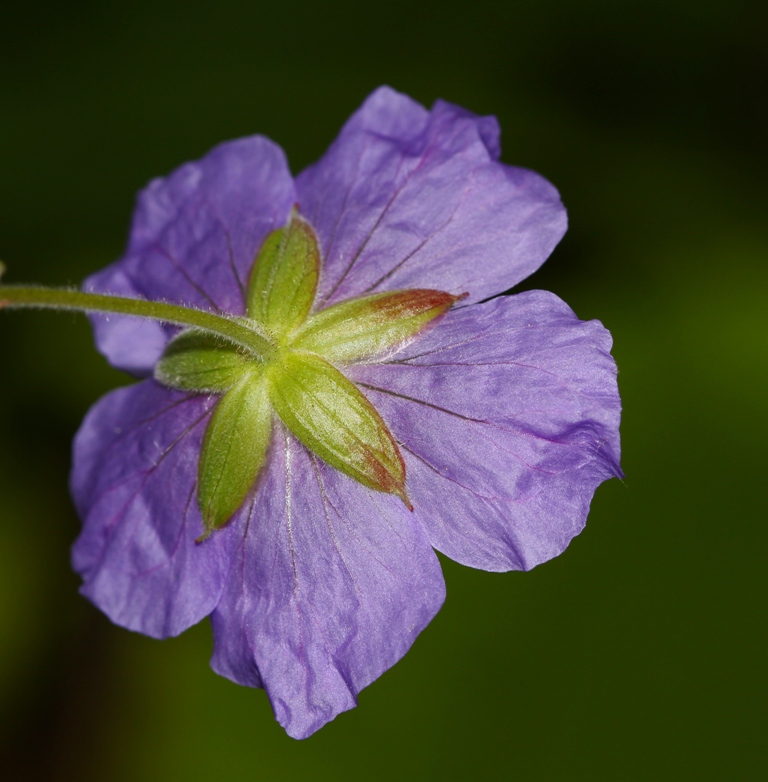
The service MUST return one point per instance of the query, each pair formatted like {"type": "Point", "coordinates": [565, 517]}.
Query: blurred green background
{"type": "Point", "coordinates": [640, 654]}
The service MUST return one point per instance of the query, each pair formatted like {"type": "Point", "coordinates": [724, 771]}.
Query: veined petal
{"type": "Point", "coordinates": [358, 328]}
{"type": "Point", "coordinates": [330, 587]}
{"type": "Point", "coordinates": [406, 198]}
{"type": "Point", "coordinates": [508, 419]}
{"type": "Point", "coordinates": [335, 421]}
{"type": "Point", "coordinates": [194, 236]}
{"type": "Point", "coordinates": [134, 481]}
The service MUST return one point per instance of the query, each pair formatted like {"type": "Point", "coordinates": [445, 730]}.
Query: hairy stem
{"type": "Point", "coordinates": [18, 296]}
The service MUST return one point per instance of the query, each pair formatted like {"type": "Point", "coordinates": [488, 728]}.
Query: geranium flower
{"type": "Point", "coordinates": [299, 505]}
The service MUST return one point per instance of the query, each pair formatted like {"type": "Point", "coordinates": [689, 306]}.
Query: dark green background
{"type": "Point", "coordinates": [640, 654]}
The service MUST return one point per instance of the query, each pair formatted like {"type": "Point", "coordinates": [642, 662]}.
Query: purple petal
{"type": "Point", "coordinates": [131, 344]}
{"type": "Point", "coordinates": [193, 241]}
{"type": "Point", "coordinates": [134, 481]}
{"type": "Point", "coordinates": [406, 198]}
{"type": "Point", "coordinates": [331, 586]}
{"type": "Point", "coordinates": [508, 415]}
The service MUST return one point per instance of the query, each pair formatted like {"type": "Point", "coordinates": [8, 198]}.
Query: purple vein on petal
{"type": "Point", "coordinates": [238, 562]}
{"type": "Point", "coordinates": [439, 349]}
{"type": "Point", "coordinates": [449, 478]}
{"type": "Point", "coordinates": [125, 432]}
{"type": "Point", "coordinates": [167, 451]}
{"type": "Point", "coordinates": [233, 268]}
{"type": "Point", "coordinates": [407, 363]}
{"type": "Point", "coordinates": [326, 504]}
{"type": "Point", "coordinates": [385, 519]}
{"type": "Point", "coordinates": [115, 518]}
{"type": "Point", "coordinates": [164, 253]}
{"type": "Point", "coordinates": [231, 256]}
{"type": "Point", "coordinates": [363, 245]}
{"type": "Point", "coordinates": [419, 247]}
{"type": "Point", "coordinates": [481, 422]}
{"type": "Point", "coordinates": [387, 207]}
{"type": "Point", "coordinates": [343, 207]}
{"type": "Point", "coordinates": [175, 547]}
{"type": "Point", "coordinates": [423, 402]}
{"type": "Point", "coordinates": [354, 534]}
{"type": "Point", "coordinates": [410, 255]}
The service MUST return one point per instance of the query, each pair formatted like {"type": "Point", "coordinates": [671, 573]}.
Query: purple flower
{"type": "Point", "coordinates": [505, 412]}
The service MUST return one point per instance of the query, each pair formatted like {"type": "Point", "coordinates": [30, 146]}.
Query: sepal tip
{"type": "Point", "coordinates": [202, 538]}
{"type": "Point", "coordinates": [404, 497]}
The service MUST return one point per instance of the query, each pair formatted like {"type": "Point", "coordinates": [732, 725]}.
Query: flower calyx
{"type": "Point", "coordinates": [299, 380]}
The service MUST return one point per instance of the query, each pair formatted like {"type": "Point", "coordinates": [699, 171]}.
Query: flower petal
{"type": "Point", "coordinates": [406, 198]}
{"type": "Point", "coordinates": [331, 586]}
{"type": "Point", "coordinates": [508, 416]}
{"type": "Point", "coordinates": [193, 241]}
{"type": "Point", "coordinates": [134, 481]}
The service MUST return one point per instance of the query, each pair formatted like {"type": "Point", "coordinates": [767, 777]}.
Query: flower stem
{"type": "Point", "coordinates": [230, 329]}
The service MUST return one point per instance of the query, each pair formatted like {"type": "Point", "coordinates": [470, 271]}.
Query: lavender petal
{"type": "Point", "coordinates": [508, 416]}
{"type": "Point", "coordinates": [331, 585]}
{"type": "Point", "coordinates": [406, 198]}
{"type": "Point", "coordinates": [134, 482]}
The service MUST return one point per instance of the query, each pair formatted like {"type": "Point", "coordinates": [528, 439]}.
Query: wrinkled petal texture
{"type": "Point", "coordinates": [193, 241]}
{"type": "Point", "coordinates": [330, 587]}
{"type": "Point", "coordinates": [508, 415]}
{"type": "Point", "coordinates": [406, 198]}
{"type": "Point", "coordinates": [134, 483]}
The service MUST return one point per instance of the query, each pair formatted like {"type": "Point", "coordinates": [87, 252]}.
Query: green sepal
{"type": "Point", "coordinates": [333, 419]}
{"type": "Point", "coordinates": [234, 449]}
{"type": "Point", "coordinates": [198, 361]}
{"type": "Point", "coordinates": [357, 328]}
{"type": "Point", "coordinates": [284, 277]}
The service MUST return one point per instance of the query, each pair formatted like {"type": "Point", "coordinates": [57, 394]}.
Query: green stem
{"type": "Point", "coordinates": [17, 296]}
